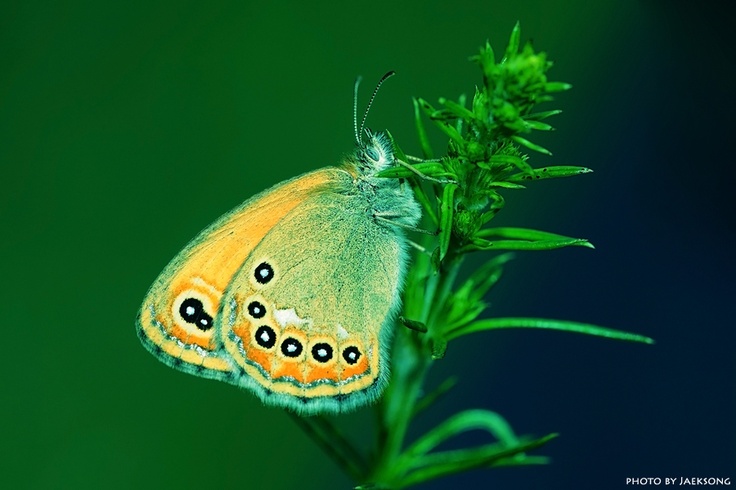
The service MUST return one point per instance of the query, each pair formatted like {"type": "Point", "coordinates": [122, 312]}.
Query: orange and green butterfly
{"type": "Point", "coordinates": [293, 294]}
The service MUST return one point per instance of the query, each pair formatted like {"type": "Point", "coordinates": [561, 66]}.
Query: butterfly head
{"type": "Point", "coordinates": [374, 153]}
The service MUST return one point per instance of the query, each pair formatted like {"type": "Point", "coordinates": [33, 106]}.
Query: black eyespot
{"type": "Point", "coordinates": [322, 352]}
{"type": "Point", "coordinates": [264, 273]}
{"type": "Point", "coordinates": [256, 309]}
{"type": "Point", "coordinates": [351, 354]}
{"type": "Point", "coordinates": [291, 347]}
{"type": "Point", "coordinates": [192, 311]}
{"type": "Point", "coordinates": [265, 336]}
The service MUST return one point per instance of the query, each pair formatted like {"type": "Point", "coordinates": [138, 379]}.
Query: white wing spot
{"type": "Point", "coordinates": [289, 317]}
{"type": "Point", "coordinates": [342, 334]}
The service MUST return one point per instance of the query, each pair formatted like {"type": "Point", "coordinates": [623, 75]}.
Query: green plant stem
{"type": "Point", "coordinates": [397, 406]}
{"type": "Point", "coordinates": [411, 363]}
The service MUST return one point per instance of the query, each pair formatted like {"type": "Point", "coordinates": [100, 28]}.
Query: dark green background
{"type": "Point", "coordinates": [127, 127]}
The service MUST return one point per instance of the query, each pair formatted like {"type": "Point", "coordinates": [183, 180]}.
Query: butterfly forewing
{"type": "Point", "coordinates": [176, 321]}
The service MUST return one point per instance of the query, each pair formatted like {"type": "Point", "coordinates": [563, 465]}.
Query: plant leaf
{"type": "Point", "coordinates": [497, 160]}
{"type": "Point", "coordinates": [513, 46]}
{"type": "Point", "coordinates": [480, 244]}
{"type": "Point", "coordinates": [438, 465]}
{"type": "Point", "coordinates": [530, 145]}
{"type": "Point", "coordinates": [464, 421]}
{"type": "Point", "coordinates": [554, 172]}
{"type": "Point", "coordinates": [447, 211]}
{"type": "Point", "coordinates": [421, 131]}
{"type": "Point", "coordinates": [431, 169]}
{"type": "Point", "coordinates": [457, 110]}
{"type": "Point", "coordinates": [538, 116]}
{"type": "Point", "coordinates": [544, 323]}
{"type": "Point", "coordinates": [523, 234]}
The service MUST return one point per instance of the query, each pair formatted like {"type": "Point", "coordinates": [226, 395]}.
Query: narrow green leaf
{"type": "Point", "coordinates": [551, 87]}
{"type": "Point", "coordinates": [538, 116]}
{"type": "Point", "coordinates": [483, 278]}
{"type": "Point", "coordinates": [439, 347]}
{"type": "Point", "coordinates": [464, 421]}
{"type": "Point", "coordinates": [539, 126]}
{"type": "Point", "coordinates": [425, 106]}
{"type": "Point", "coordinates": [463, 315]}
{"type": "Point", "coordinates": [461, 121]}
{"type": "Point", "coordinates": [457, 109]}
{"type": "Point", "coordinates": [480, 244]}
{"type": "Point", "coordinates": [501, 160]}
{"type": "Point", "coordinates": [485, 57]}
{"type": "Point", "coordinates": [446, 214]}
{"type": "Point", "coordinates": [438, 465]}
{"type": "Point", "coordinates": [398, 152]}
{"type": "Point", "coordinates": [431, 169]}
{"type": "Point", "coordinates": [550, 173]}
{"type": "Point", "coordinates": [513, 46]}
{"type": "Point", "coordinates": [480, 105]}
{"type": "Point", "coordinates": [421, 131]}
{"type": "Point", "coordinates": [523, 234]}
{"type": "Point", "coordinates": [530, 145]}
{"type": "Point", "coordinates": [544, 323]}
{"type": "Point", "coordinates": [449, 131]}
{"type": "Point", "coordinates": [507, 185]}
{"type": "Point", "coordinates": [435, 259]}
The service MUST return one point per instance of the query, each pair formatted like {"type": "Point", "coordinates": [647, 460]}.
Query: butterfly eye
{"type": "Point", "coordinates": [291, 347]}
{"type": "Point", "coordinates": [351, 354]}
{"type": "Point", "coordinates": [256, 309]}
{"type": "Point", "coordinates": [372, 153]}
{"type": "Point", "coordinates": [322, 352]}
{"type": "Point", "coordinates": [264, 273]}
{"type": "Point", "coordinates": [192, 311]}
{"type": "Point", "coordinates": [265, 336]}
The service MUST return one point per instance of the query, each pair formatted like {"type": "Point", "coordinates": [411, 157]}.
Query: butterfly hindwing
{"type": "Point", "coordinates": [308, 315]}
{"type": "Point", "coordinates": [177, 319]}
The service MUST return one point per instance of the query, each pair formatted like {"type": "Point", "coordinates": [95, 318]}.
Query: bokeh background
{"type": "Point", "coordinates": [126, 127]}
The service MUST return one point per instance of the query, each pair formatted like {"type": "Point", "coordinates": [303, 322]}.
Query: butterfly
{"type": "Point", "coordinates": [293, 294]}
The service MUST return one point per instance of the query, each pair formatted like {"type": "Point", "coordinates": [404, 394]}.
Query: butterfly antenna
{"type": "Point", "coordinates": [355, 108]}
{"type": "Point", "coordinates": [370, 102]}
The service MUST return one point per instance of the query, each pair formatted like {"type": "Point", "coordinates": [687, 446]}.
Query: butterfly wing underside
{"type": "Point", "coordinates": [307, 317]}
{"type": "Point", "coordinates": [177, 320]}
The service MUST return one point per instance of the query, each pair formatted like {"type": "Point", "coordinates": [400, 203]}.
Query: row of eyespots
{"type": "Point", "coordinates": [265, 336]}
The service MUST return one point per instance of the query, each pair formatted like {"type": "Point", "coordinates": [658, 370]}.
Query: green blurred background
{"type": "Point", "coordinates": [127, 127]}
